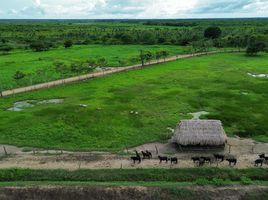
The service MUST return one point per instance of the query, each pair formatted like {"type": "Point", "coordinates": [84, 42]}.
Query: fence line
{"type": "Point", "coordinates": [100, 74]}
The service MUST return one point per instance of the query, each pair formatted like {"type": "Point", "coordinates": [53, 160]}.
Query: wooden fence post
{"type": "Point", "coordinates": [5, 150]}
{"type": "Point", "coordinates": [156, 149]}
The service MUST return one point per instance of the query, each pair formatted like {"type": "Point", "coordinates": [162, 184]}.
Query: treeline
{"type": "Point", "coordinates": [43, 36]}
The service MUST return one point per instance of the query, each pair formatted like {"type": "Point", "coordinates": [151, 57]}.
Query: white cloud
{"type": "Point", "coordinates": [133, 8]}
{"type": "Point", "coordinates": [167, 8]}
{"type": "Point", "coordinates": [37, 2]}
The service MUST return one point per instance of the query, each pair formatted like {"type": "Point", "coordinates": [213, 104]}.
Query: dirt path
{"type": "Point", "coordinates": [241, 148]}
{"type": "Point", "coordinates": [100, 74]}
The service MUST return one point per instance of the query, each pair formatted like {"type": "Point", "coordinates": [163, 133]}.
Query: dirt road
{"type": "Point", "coordinates": [100, 74]}
{"type": "Point", "coordinates": [245, 150]}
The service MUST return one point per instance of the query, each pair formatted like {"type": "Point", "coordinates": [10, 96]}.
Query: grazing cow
{"type": "Point", "coordinates": [174, 160]}
{"type": "Point", "coordinates": [195, 159]}
{"type": "Point", "coordinates": [258, 161]}
{"type": "Point", "coordinates": [163, 158]}
{"type": "Point", "coordinates": [232, 160]}
{"type": "Point", "coordinates": [262, 156]}
{"type": "Point", "coordinates": [206, 159]}
{"type": "Point", "coordinates": [136, 158]}
{"type": "Point", "coordinates": [201, 162]}
{"type": "Point", "coordinates": [149, 153]}
{"type": "Point", "coordinates": [219, 157]}
{"type": "Point", "coordinates": [145, 155]}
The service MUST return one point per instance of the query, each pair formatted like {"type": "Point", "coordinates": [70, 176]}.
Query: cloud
{"type": "Point", "coordinates": [232, 6]}
{"type": "Point", "coordinates": [133, 8]}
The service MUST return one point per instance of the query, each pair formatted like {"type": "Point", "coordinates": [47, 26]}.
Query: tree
{"type": "Point", "coordinates": [212, 32]}
{"type": "Point", "coordinates": [68, 44]}
{"type": "Point", "coordinates": [39, 46]}
{"type": "Point", "coordinates": [124, 37]}
{"type": "Point", "coordinates": [6, 48]}
{"type": "Point", "coordinates": [142, 57]}
{"type": "Point", "coordinates": [255, 47]}
{"type": "Point", "coordinates": [102, 62]}
{"type": "Point", "coordinates": [148, 38]}
{"type": "Point", "coordinates": [90, 65]}
{"type": "Point", "coordinates": [42, 72]}
{"type": "Point", "coordinates": [148, 56]}
{"type": "Point", "coordinates": [165, 54]}
{"type": "Point", "coordinates": [161, 54]}
{"type": "Point", "coordinates": [19, 75]}
{"type": "Point", "coordinates": [158, 55]}
{"type": "Point", "coordinates": [61, 68]}
{"type": "Point", "coordinates": [30, 77]}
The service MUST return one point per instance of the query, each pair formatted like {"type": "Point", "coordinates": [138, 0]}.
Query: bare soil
{"type": "Point", "coordinates": [245, 150]}
{"type": "Point", "coordinates": [139, 193]}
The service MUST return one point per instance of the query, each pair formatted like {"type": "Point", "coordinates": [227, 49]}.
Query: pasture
{"type": "Point", "coordinates": [30, 62]}
{"type": "Point", "coordinates": [137, 107]}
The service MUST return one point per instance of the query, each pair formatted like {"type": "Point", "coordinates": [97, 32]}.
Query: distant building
{"type": "Point", "coordinates": [200, 133]}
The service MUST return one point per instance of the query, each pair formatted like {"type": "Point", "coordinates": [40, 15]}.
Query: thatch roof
{"type": "Point", "coordinates": [199, 132]}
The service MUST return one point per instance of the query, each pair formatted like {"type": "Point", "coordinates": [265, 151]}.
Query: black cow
{"type": "Point", "coordinates": [258, 161]}
{"type": "Point", "coordinates": [163, 158]}
{"type": "Point", "coordinates": [262, 156]}
{"type": "Point", "coordinates": [136, 158]}
{"type": "Point", "coordinates": [232, 160]}
{"type": "Point", "coordinates": [219, 157]}
{"type": "Point", "coordinates": [146, 155]}
{"type": "Point", "coordinates": [174, 160]}
{"type": "Point", "coordinates": [195, 159]}
{"type": "Point", "coordinates": [206, 159]}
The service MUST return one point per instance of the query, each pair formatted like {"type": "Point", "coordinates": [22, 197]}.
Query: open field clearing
{"type": "Point", "coordinates": [30, 62]}
{"type": "Point", "coordinates": [137, 107]}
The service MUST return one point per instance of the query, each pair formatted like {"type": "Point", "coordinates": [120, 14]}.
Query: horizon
{"type": "Point", "coordinates": [130, 9]}
{"type": "Point", "coordinates": [129, 19]}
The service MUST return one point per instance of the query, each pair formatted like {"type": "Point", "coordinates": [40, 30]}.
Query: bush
{"type": "Point", "coordinates": [202, 181]}
{"type": "Point", "coordinates": [218, 182]}
{"type": "Point", "coordinates": [68, 43]}
{"type": "Point", "coordinates": [246, 180]}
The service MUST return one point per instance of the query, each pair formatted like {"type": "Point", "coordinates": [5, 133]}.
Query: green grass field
{"type": "Point", "coordinates": [30, 62]}
{"type": "Point", "coordinates": [162, 95]}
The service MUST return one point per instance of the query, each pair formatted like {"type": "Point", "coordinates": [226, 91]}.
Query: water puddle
{"type": "Point", "coordinates": [21, 105]}
{"type": "Point", "coordinates": [258, 75]}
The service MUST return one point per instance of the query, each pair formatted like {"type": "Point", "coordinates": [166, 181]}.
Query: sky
{"type": "Point", "coordinates": [131, 9]}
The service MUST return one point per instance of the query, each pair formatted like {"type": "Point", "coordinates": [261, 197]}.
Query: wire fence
{"type": "Point", "coordinates": [102, 73]}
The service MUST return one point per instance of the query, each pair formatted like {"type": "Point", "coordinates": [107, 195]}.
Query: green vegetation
{"type": "Point", "coordinates": [215, 175]}
{"type": "Point", "coordinates": [42, 66]}
{"type": "Point", "coordinates": [161, 95]}
{"type": "Point", "coordinates": [33, 47]}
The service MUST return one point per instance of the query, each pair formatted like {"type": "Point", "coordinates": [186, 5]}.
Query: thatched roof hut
{"type": "Point", "coordinates": [207, 133]}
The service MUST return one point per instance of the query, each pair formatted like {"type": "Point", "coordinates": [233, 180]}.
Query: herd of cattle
{"type": "Point", "coordinates": [198, 160]}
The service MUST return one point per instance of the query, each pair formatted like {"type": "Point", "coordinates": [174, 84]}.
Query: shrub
{"type": "Point", "coordinates": [202, 181]}
{"type": "Point", "coordinates": [68, 43]}
{"type": "Point", "coordinates": [246, 180]}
